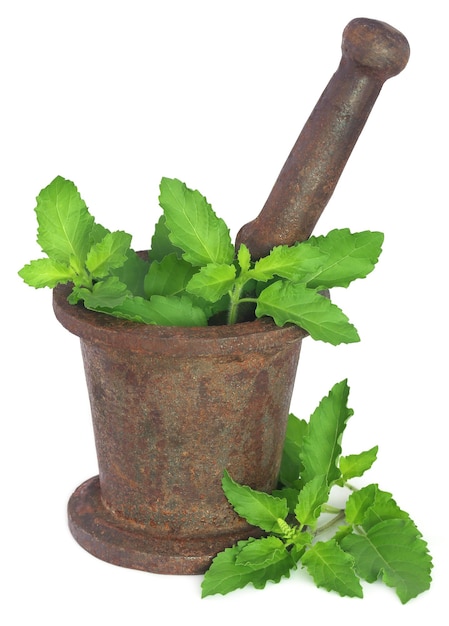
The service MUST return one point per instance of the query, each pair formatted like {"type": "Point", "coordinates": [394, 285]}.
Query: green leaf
{"type": "Point", "coordinates": [244, 258]}
{"type": "Point", "coordinates": [357, 464]}
{"type": "Point", "coordinates": [161, 246]}
{"type": "Point", "coordinates": [161, 310]}
{"type": "Point", "coordinates": [312, 496]}
{"type": "Point", "coordinates": [261, 552]}
{"type": "Point", "coordinates": [393, 551]}
{"type": "Point", "coordinates": [168, 277]}
{"type": "Point", "coordinates": [291, 464]}
{"type": "Point", "coordinates": [258, 508]}
{"type": "Point", "coordinates": [370, 505]}
{"type": "Point", "coordinates": [290, 494]}
{"type": "Point", "coordinates": [295, 263]}
{"type": "Point", "coordinates": [212, 281]}
{"type": "Point", "coordinates": [65, 224]}
{"type": "Point", "coordinates": [133, 270]}
{"type": "Point", "coordinates": [322, 445]}
{"type": "Point", "coordinates": [108, 254]}
{"type": "Point", "coordinates": [341, 532]}
{"type": "Point", "coordinates": [349, 256]}
{"type": "Point", "coordinates": [97, 233]}
{"type": "Point", "coordinates": [294, 302]}
{"type": "Point", "coordinates": [105, 294]}
{"type": "Point", "coordinates": [332, 568]}
{"type": "Point", "coordinates": [358, 504]}
{"type": "Point", "coordinates": [302, 539]}
{"type": "Point", "coordinates": [226, 574]}
{"type": "Point", "coordinates": [383, 508]}
{"type": "Point", "coordinates": [193, 225]}
{"type": "Point", "coordinates": [132, 273]}
{"type": "Point", "coordinates": [176, 311]}
{"type": "Point", "coordinates": [46, 273]}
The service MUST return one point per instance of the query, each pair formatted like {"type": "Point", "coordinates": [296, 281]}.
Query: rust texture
{"type": "Point", "coordinates": [172, 408]}
{"type": "Point", "coordinates": [372, 52]}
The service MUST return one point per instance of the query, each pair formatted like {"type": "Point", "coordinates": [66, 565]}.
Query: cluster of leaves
{"type": "Point", "coordinates": [193, 276]}
{"type": "Point", "coordinates": [369, 538]}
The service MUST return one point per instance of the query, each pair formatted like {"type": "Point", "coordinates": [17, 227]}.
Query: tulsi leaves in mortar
{"type": "Point", "coordinates": [193, 276]}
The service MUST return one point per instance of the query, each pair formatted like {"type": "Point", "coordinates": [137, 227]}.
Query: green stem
{"type": "Point", "coordinates": [359, 530]}
{"type": "Point", "coordinates": [236, 301]}
{"type": "Point", "coordinates": [338, 518]}
{"type": "Point", "coordinates": [234, 305]}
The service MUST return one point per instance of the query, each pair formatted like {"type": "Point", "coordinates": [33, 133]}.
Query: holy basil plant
{"type": "Point", "coordinates": [318, 520]}
{"type": "Point", "coordinates": [192, 275]}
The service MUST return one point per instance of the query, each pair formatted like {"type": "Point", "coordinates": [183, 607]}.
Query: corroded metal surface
{"type": "Point", "coordinates": [172, 408]}
{"type": "Point", "coordinates": [372, 52]}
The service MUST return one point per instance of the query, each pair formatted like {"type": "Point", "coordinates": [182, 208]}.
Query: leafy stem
{"type": "Point", "coordinates": [235, 300]}
{"type": "Point", "coordinates": [233, 315]}
{"type": "Point", "coordinates": [340, 516]}
{"type": "Point", "coordinates": [378, 540]}
{"type": "Point", "coordinates": [194, 275]}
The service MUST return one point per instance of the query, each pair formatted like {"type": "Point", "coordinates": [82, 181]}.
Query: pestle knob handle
{"type": "Point", "coordinates": [375, 46]}
{"type": "Point", "coordinates": [372, 52]}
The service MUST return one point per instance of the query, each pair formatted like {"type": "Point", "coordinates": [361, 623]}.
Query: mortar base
{"type": "Point", "coordinates": [106, 537]}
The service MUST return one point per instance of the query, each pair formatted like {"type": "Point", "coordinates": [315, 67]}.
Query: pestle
{"type": "Point", "coordinates": [372, 52]}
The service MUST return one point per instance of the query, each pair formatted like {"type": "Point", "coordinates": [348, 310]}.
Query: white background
{"type": "Point", "coordinates": [115, 95]}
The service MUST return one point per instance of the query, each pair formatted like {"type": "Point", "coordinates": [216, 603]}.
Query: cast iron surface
{"type": "Point", "coordinates": [372, 52]}
{"type": "Point", "coordinates": [171, 409]}
{"type": "Point", "coordinates": [124, 543]}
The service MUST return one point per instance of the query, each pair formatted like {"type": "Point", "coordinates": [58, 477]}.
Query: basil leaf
{"type": "Point", "coordinates": [258, 508]}
{"type": "Point", "coordinates": [295, 263]}
{"type": "Point", "coordinates": [46, 273]}
{"type": "Point", "coordinates": [332, 568]}
{"type": "Point", "coordinates": [348, 256]}
{"type": "Point", "coordinates": [193, 225]}
{"type": "Point", "coordinates": [294, 302]}
{"type": "Point", "coordinates": [168, 277]}
{"type": "Point", "coordinates": [65, 224]}
{"type": "Point", "coordinates": [212, 281]}
{"type": "Point", "coordinates": [109, 253]}
{"type": "Point", "coordinates": [321, 447]}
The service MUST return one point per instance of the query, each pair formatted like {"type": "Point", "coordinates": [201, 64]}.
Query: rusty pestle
{"type": "Point", "coordinates": [372, 52]}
